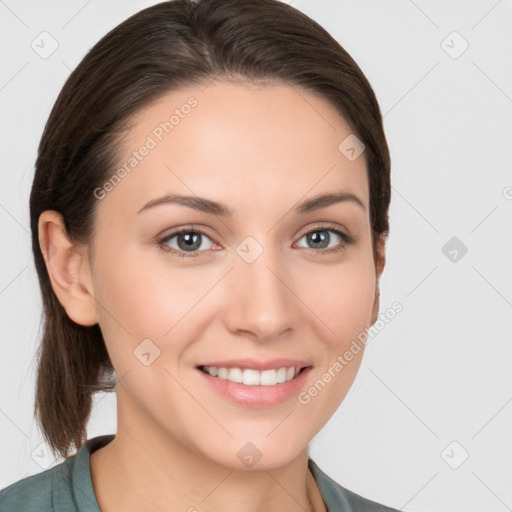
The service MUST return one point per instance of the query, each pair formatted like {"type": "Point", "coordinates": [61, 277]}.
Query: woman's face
{"type": "Point", "coordinates": [269, 281]}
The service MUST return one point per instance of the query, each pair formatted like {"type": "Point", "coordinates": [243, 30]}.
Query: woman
{"type": "Point", "coordinates": [209, 214]}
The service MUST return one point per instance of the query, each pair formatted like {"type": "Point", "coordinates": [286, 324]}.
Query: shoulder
{"type": "Point", "coordinates": [65, 487]}
{"type": "Point", "coordinates": [35, 492]}
{"type": "Point", "coordinates": [337, 498]}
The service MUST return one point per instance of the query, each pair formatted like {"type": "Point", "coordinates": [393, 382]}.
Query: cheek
{"type": "Point", "coordinates": [143, 298]}
{"type": "Point", "coordinates": [341, 298]}
{"type": "Point", "coordinates": [131, 297]}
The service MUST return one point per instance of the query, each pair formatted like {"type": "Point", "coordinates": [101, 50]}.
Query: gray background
{"type": "Point", "coordinates": [435, 384]}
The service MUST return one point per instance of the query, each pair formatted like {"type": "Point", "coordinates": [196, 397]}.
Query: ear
{"type": "Point", "coordinates": [68, 269]}
{"type": "Point", "coordinates": [379, 267]}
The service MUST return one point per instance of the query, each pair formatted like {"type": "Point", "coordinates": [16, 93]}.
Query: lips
{"type": "Point", "coordinates": [256, 396]}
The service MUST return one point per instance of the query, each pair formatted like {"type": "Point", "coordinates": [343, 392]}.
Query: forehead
{"type": "Point", "coordinates": [237, 143]}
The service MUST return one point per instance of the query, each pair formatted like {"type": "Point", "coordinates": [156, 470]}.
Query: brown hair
{"type": "Point", "coordinates": [162, 48]}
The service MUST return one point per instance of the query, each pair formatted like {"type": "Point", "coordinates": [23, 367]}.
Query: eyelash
{"type": "Point", "coordinates": [346, 240]}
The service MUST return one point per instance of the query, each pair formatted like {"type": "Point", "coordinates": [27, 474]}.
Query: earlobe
{"type": "Point", "coordinates": [68, 269]}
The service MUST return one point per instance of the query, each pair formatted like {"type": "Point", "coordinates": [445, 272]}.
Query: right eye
{"type": "Point", "coordinates": [188, 241]}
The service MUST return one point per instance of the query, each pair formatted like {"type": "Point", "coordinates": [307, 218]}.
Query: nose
{"type": "Point", "coordinates": [261, 299]}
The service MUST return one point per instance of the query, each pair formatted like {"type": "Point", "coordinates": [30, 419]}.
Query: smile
{"type": "Point", "coordinates": [249, 387]}
{"type": "Point", "coordinates": [251, 377]}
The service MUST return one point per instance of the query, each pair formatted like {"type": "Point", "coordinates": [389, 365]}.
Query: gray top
{"type": "Point", "coordinates": [67, 487]}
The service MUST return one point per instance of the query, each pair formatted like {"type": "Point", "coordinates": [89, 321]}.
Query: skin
{"type": "Point", "coordinates": [259, 149]}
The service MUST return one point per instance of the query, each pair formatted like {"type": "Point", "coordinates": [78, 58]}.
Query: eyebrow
{"type": "Point", "coordinates": [208, 206]}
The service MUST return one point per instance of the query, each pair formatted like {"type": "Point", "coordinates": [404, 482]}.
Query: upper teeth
{"type": "Point", "coordinates": [254, 377]}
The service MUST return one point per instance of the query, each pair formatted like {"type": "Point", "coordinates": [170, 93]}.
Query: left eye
{"type": "Point", "coordinates": [320, 238]}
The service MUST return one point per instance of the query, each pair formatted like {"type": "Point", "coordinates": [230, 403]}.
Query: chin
{"type": "Point", "coordinates": [246, 455]}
